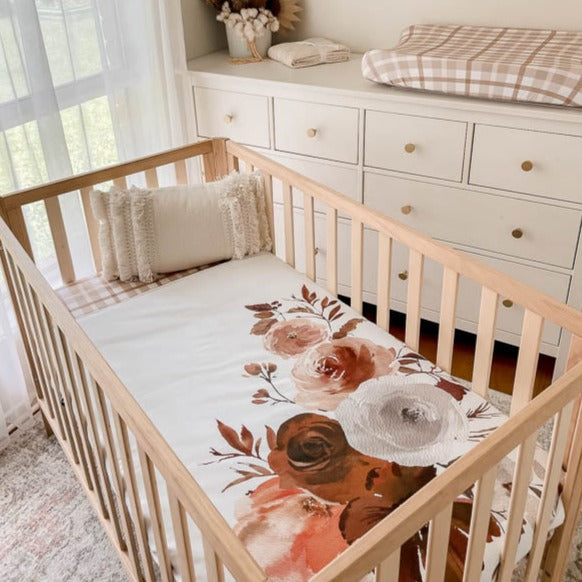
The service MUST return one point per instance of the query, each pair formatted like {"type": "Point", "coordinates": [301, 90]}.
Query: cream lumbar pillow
{"type": "Point", "coordinates": [145, 233]}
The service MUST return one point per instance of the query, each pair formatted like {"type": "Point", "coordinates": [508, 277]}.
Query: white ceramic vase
{"type": "Point", "coordinates": [239, 48]}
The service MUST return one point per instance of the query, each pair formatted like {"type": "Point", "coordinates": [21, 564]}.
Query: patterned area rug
{"type": "Point", "coordinates": [49, 533]}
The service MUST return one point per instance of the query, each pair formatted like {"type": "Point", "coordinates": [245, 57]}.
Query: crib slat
{"type": "Point", "coordinates": [75, 414]}
{"type": "Point", "coordinates": [446, 339]}
{"type": "Point", "coordinates": [133, 492]}
{"type": "Point", "coordinates": [309, 236]}
{"type": "Point", "coordinates": [180, 524]}
{"type": "Point", "coordinates": [109, 512]}
{"type": "Point", "coordinates": [357, 265]}
{"type": "Point", "coordinates": [519, 495]}
{"type": "Point", "coordinates": [17, 225]}
{"type": "Point", "coordinates": [155, 514]}
{"type": "Point", "coordinates": [48, 339]}
{"type": "Point", "coordinates": [214, 566]}
{"type": "Point", "coordinates": [331, 242]}
{"type": "Point", "coordinates": [384, 270]}
{"type": "Point", "coordinates": [485, 341]}
{"type": "Point", "coordinates": [438, 545]}
{"type": "Point", "coordinates": [151, 178]}
{"type": "Point", "coordinates": [232, 163]}
{"type": "Point", "coordinates": [118, 481]}
{"type": "Point", "coordinates": [268, 182]}
{"type": "Point", "coordinates": [413, 300]}
{"type": "Point", "coordinates": [92, 227]}
{"type": "Point", "coordinates": [30, 335]}
{"type": "Point", "coordinates": [550, 491]}
{"type": "Point", "coordinates": [527, 361]}
{"type": "Point", "coordinates": [59, 236]}
{"type": "Point", "coordinates": [181, 172]}
{"type": "Point", "coordinates": [120, 183]}
{"type": "Point", "coordinates": [289, 230]}
{"type": "Point", "coordinates": [389, 569]}
{"type": "Point", "coordinates": [83, 414]}
{"type": "Point", "coordinates": [480, 516]}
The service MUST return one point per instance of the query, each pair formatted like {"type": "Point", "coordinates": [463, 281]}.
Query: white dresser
{"type": "Point", "coordinates": [501, 181]}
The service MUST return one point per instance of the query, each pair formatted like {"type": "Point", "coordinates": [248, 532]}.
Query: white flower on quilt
{"type": "Point", "coordinates": [400, 420]}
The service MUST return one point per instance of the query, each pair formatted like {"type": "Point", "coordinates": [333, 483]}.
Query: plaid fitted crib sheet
{"type": "Point", "coordinates": [510, 64]}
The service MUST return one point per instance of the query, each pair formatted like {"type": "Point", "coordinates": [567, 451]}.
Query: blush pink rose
{"type": "Point", "coordinates": [327, 373]}
{"type": "Point", "coordinates": [291, 338]}
{"type": "Point", "coordinates": [290, 534]}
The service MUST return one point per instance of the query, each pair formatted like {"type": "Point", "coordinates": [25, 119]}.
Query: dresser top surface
{"type": "Point", "coordinates": [346, 79]}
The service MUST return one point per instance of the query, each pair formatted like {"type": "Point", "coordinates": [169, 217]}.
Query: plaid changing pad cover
{"type": "Point", "coordinates": [510, 64]}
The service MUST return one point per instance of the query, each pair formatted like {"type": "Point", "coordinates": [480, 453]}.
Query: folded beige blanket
{"type": "Point", "coordinates": [309, 52]}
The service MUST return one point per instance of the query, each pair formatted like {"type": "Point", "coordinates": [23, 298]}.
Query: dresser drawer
{"type": "Point", "coordinates": [323, 131]}
{"type": "Point", "coordinates": [415, 145]}
{"type": "Point", "coordinates": [529, 230]}
{"type": "Point", "coordinates": [343, 179]}
{"type": "Point", "coordinates": [240, 117]}
{"type": "Point", "coordinates": [545, 164]}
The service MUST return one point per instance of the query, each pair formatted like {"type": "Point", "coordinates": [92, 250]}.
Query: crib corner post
{"type": "Point", "coordinates": [220, 157]}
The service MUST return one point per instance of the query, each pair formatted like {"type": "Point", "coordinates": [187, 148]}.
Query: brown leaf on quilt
{"type": "Point", "coordinates": [347, 328]}
{"type": "Point", "coordinates": [263, 326]}
{"type": "Point", "coordinates": [264, 314]}
{"type": "Point", "coordinates": [231, 437]}
{"type": "Point", "coordinates": [300, 310]}
{"type": "Point", "coordinates": [312, 452]}
{"type": "Point", "coordinates": [455, 390]}
{"type": "Point", "coordinates": [247, 439]}
{"type": "Point", "coordinates": [259, 307]}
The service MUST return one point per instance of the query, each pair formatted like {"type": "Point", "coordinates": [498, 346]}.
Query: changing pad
{"type": "Point", "coordinates": [510, 64]}
{"type": "Point", "coordinates": [303, 423]}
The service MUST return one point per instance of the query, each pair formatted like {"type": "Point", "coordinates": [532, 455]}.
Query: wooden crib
{"type": "Point", "coordinates": [96, 419]}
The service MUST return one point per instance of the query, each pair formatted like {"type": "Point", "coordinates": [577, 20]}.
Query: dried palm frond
{"type": "Point", "coordinates": [288, 13]}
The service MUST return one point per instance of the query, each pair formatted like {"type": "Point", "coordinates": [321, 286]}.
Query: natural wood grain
{"type": "Point", "coordinates": [485, 341]}
{"type": "Point", "coordinates": [446, 341]}
{"type": "Point", "coordinates": [438, 544]}
{"type": "Point", "coordinates": [413, 299]}
{"type": "Point", "coordinates": [182, 536]}
{"type": "Point", "coordinates": [309, 236]}
{"type": "Point", "coordinates": [384, 270]}
{"type": "Point", "coordinates": [331, 242]}
{"type": "Point", "coordinates": [357, 265]}
{"type": "Point", "coordinates": [93, 226]}
{"type": "Point", "coordinates": [389, 569]}
{"type": "Point", "coordinates": [268, 182]}
{"type": "Point", "coordinates": [289, 228]}
{"type": "Point", "coordinates": [60, 242]}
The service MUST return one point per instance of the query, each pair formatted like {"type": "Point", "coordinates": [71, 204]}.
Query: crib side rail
{"type": "Point", "coordinates": [128, 470]}
{"type": "Point", "coordinates": [494, 286]}
{"type": "Point", "coordinates": [13, 205]}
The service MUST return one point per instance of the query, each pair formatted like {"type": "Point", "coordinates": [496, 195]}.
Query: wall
{"type": "Point", "coordinates": [377, 23]}
{"type": "Point", "coordinates": [202, 33]}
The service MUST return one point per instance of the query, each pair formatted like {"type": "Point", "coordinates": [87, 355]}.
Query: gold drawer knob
{"type": "Point", "coordinates": [517, 233]}
{"type": "Point", "coordinates": [311, 132]}
{"type": "Point", "coordinates": [406, 209]}
{"type": "Point", "coordinates": [527, 166]}
{"type": "Point", "coordinates": [403, 275]}
{"type": "Point", "coordinates": [228, 118]}
{"type": "Point", "coordinates": [316, 251]}
{"type": "Point", "coordinates": [507, 303]}
{"type": "Point", "coordinates": [409, 148]}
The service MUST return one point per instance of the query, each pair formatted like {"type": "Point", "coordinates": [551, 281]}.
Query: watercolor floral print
{"type": "Point", "coordinates": [368, 426]}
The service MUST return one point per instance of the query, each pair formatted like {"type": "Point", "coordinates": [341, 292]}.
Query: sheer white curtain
{"type": "Point", "coordinates": [83, 84]}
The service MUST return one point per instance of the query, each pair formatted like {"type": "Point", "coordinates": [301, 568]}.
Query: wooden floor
{"type": "Point", "coordinates": [504, 355]}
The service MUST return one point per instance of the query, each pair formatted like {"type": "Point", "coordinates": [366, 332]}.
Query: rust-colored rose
{"type": "Point", "coordinates": [311, 452]}
{"type": "Point", "coordinates": [291, 338]}
{"type": "Point", "coordinates": [328, 372]}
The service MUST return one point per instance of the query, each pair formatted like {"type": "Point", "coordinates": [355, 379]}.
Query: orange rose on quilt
{"type": "Point", "coordinates": [330, 371]}
{"type": "Point", "coordinates": [291, 534]}
{"type": "Point", "coordinates": [291, 338]}
{"type": "Point", "coordinates": [311, 452]}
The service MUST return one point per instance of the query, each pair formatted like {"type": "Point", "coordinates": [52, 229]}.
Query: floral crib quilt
{"type": "Point", "coordinates": [305, 424]}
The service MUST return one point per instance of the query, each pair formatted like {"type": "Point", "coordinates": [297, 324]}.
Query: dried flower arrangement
{"type": "Point", "coordinates": [250, 19]}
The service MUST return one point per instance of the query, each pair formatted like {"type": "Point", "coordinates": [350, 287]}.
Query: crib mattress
{"type": "Point", "coordinates": [510, 64]}
{"type": "Point", "coordinates": [303, 423]}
